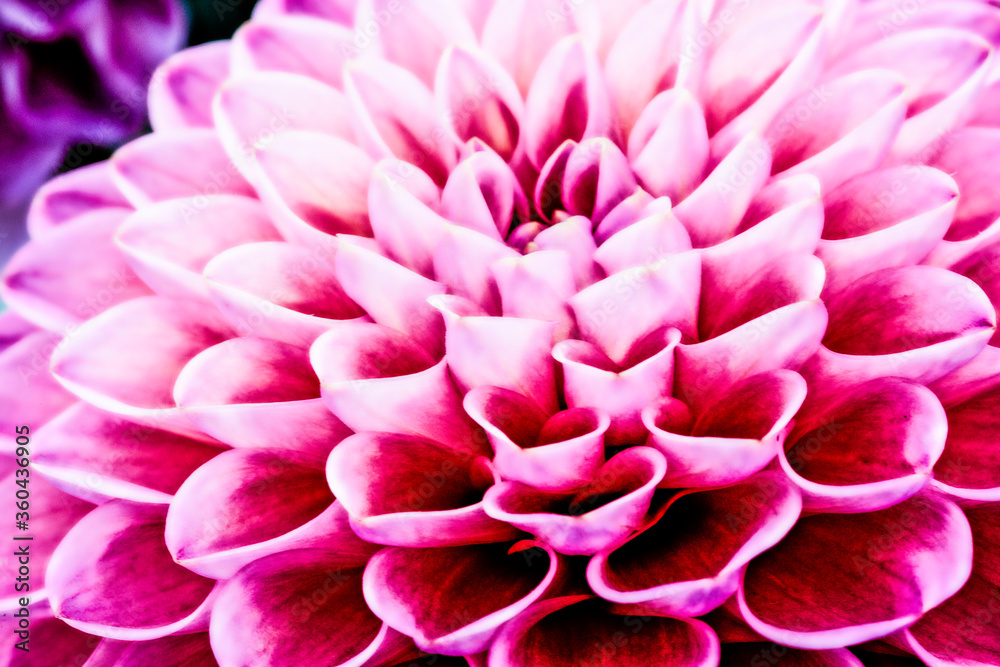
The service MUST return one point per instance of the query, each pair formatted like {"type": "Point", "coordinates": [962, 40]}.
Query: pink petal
{"type": "Point", "coordinates": [590, 379]}
{"type": "Point", "coordinates": [168, 244]}
{"type": "Point", "coordinates": [537, 286]}
{"type": "Point", "coordinates": [573, 235]}
{"type": "Point", "coordinates": [72, 194]}
{"type": "Point", "coordinates": [969, 156]}
{"type": "Point", "coordinates": [454, 599]}
{"type": "Point", "coordinates": [424, 495]}
{"type": "Point", "coordinates": [463, 260]}
{"type": "Point", "coordinates": [334, 11]}
{"type": "Point", "coordinates": [30, 396]}
{"type": "Point", "coordinates": [558, 453]}
{"type": "Point", "coordinates": [286, 292]}
{"type": "Point", "coordinates": [596, 516]}
{"type": "Point", "coordinates": [980, 267]}
{"type": "Point", "coordinates": [568, 100]}
{"type": "Point", "coordinates": [258, 393]}
{"type": "Point", "coordinates": [482, 193]}
{"type": "Point", "coordinates": [550, 633]}
{"type": "Point", "coordinates": [244, 505]}
{"type": "Point", "coordinates": [967, 468]}
{"type": "Point", "coordinates": [598, 177]}
{"type": "Point", "coordinates": [736, 435]}
{"type": "Point", "coordinates": [644, 242]}
{"type": "Point", "coordinates": [52, 642]}
{"type": "Point", "coordinates": [299, 45]}
{"type": "Point", "coordinates": [97, 457]}
{"type": "Point", "coordinates": [72, 273]}
{"type": "Point", "coordinates": [548, 187]}
{"type": "Point", "coordinates": [113, 576]}
{"type": "Point", "coordinates": [176, 651]}
{"type": "Point", "coordinates": [841, 579]}
{"type": "Point", "coordinates": [891, 217]}
{"type": "Point", "coordinates": [181, 95]}
{"type": "Point", "coordinates": [299, 607]}
{"type": "Point", "coordinates": [690, 560]}
{"type": "Point", "coordinates": [873, 448]}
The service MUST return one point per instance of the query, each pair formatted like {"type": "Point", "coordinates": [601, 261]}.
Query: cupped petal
{"type": "Point", "coordinates": [299, 607]}
{"type": "Point", "coordinates": [313, 184]}
{"type": "Point", "coordinates": [482, 193]}
{"type": "Point", "coordinates": [406, 491]}
{"type": "Point", "coordinates": [377, 379]}
{"type": "Point", "coordinates": [736, 435]}
{"type": "Point", "coordinates": [558, 453]}
{"type": "Point", "coordinates": [453, 600]}
{"type": "Point", "coordinates": [688, 559]}
{"type": "Point", "coordinates": [191, 650]}
{"type": "Point", "coordinates": [158, 167]}
{"type": "Point", "coordinates": [168, 244]}
{"type": "Point", "coordinates": [247, 504]}
{"type": "Point", "coordinates": [538, 286]}
{"type": "Point", "coordinates": [590, 379]}
{"type": "Point", "coordinates": [840, 579]}
{"type": "Point", "coordinates": [281, 291]}
{"type": "Point", "coordinates": [463, 260]}
{"type": "Point", "coordinates": [871, 449]}
{"type": "Point", "coordinates": [598, 515]}
{"type": "Point", "coordinates": [72, 194]}
{"type": "Point", "coordinates": [574, 236]}
{"type": "Point", "coordinates": [257, 393]}
{"type": "Point", "coordinates": [550, 632]}
{"type": "Point", "coordinates": [548, 187]}
{"type": "Point", "coordinates": [969, 155]}
{"type": "Point", "coordinates": [668, 147]}
{"type": "Point", "coordinates": [72, 273]}
{"type": "Point", "coordinates": [126, 360]}
{"type": "Point", "coordinates": [598, 177]}
{"type": "Point", "coordinates": [113, 576]}
{"type": "Point", "coordinates": [96, 456]}
{"type": "Point", "coordinates": [295, 44]}
{"type": "Point", "coordinates": [890, 217]}
{"type": "Point", "coordinates": [183, 87]}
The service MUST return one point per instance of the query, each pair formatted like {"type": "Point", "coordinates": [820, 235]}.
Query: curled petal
{"type": "Point", "coordinates": [549, 633]}
{"type": "Point", "coordinates": [689, 559]}
{"type": "Point", "coordinates": [596, 516]}
{"type": "Point", "coordinates": [734, 437]}
{"type": "Point", "coordinates": [482, 193]}
{"type": "Point", "coordinates": [840, 579]}
{"type": "Point", "coordinates": [113, 576]}
{"type": "Point", "coordinates": [72, 194]}
{"type": "Point", "coordinates": [454, 599]}
{"type": "Point", "coordinates": [598, 177]}
{"type": "Point", "coordinates": [185, 85]}
{"type": "Point", "coordinates": [294, 44]}
{"type": "Point", "coordinates": [423, 495]}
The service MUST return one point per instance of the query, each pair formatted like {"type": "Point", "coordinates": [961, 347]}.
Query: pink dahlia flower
{"type": "Point", "coordinates": [526, 334]}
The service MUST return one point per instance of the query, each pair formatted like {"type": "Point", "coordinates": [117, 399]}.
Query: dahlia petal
{"type": "Point", "coordinates": [312, 183]}
{"type": "Point", "coordinates": [279, 290]}
{"type": "Point", "coordinates": [538, 286]}
{"type": "Point", "coordinates": [462, 261]}
{"type": "Point", "coordinates": [335, 11]}
{"type": "Point", "coordinates": [877, 20]}
{"type": "Point", "coordinates": [376, 379]}
{"type": "Point", "coordinates": [668, 147]}
{"type": "Point", "coordinates": [13, 328]}
{"type": "Point", "coordinates": [869, 221]}
{"type": "Point", "coordinates": [843, 138]}
{"type": "Point", "coordinates": [689, 559]}
{"type": "Point", "coordinates": [424, 494]}
{"type": "Point", "coordinates": [870, 450]}
{"type": "Point", "coordinates": [969, 156]}
{"type": "Point", "coordinates": [184, 85]}
{"type": "Point", "coordinates": [126, 360]}
{"type": "Point", "coordinates": [730, 88]}
{"type": "Point", "coordinates": [747, 653]}
{"type": "Point", "coordinates": [509, 352]}
{"type": "Point", "coordinates": [548, 187]}
{"type": "Point", "coordinates": [712, 213]}
{"type": "Point", "coordinates": [393, 114]}
{"type": "Point", "coordinates": [964, 630]}
{"type": "Point", "coordinates": [157, 167]}
{"type": "Point", "coordinates": [549, 633]}
{"type": "Point", "coordinates": [296, 608]}
{"type": "Point", "coordinates": [258, 393]}
{"type": "Point", "coordinates": [250, 110]}
{"type": "Point", "coordinates": [112, 576]}
{"type": "Point", "coordinates": [417, 36]}
{"type": "Point", "coordinates": [644, 242]}
{"type": "Point", "coordinates": [453, 600]}
{"type": "Point", "coordinates": [979, 375]}
{"type": "Point", "coordinates": [573, 236]}
{"type": "Point", "coordinates": [97, 457]}
{"type": "Point", "coordinates": [480, 100]}
{"type": "Point", "coordinates": [642, 62]}
{"type": "Point", "coordinates": [244, 505]}
{"type": "Point", "coordinates": [558, 453]}
{"type": "Point", "coordinates": [177, 651]}
{"type": "Point", "coordinates": [52, 643]}
{"type": "Point", "coordinates": [392, 295]}
{"type": "Point", "coordinates": [967, 468]}
{"type": "Point", "coordinates": [568, 100]}
{"type": "Point", "coordinates": [72, 273]}
{"type": "Point", "coordinates": [598, 177]}
{"type": "Point", "coordinates": [981, 268]}
{"type": "Point", "coordinates": [482, 193]}
{"type": "Point", "coordinates": [619, 311]}
{"type": "Point", "coordinates": [735, 436]}
{"type": "Point", "coordinates": [590, 379]}
{"type": "Point", "coordinates": [597, 516]}
{"type": "Point", "coordinates": [37, 397]}
{"type": "Point", "coordinates": [52, 514]}
{"type": "Point", "coordinates": [72, 194]}
{"type": "Point", "coordinates": [168, 244]}
{"type": "Point", "coordinates": [632, 209]}
{"type": "Point", "coordinates": [294, 44]}
{"type": "Point", "coordinates": [841, 579]}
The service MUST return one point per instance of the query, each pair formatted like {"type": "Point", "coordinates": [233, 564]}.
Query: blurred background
{"type": "Point", "coordinates": [73, 76]}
